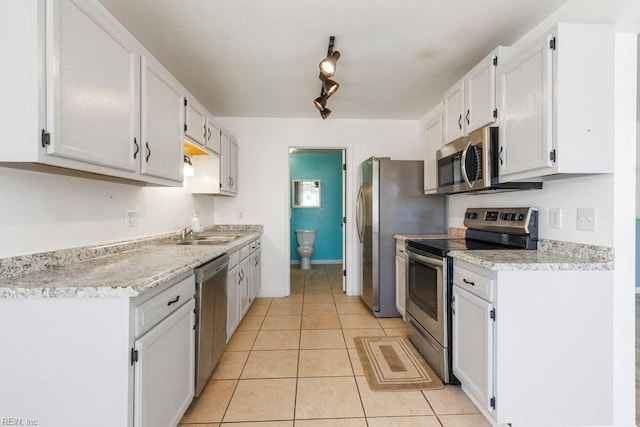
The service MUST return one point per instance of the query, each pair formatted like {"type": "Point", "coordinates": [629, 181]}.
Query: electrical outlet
{"type": "Point", "coordinates": [239, 214]}
{"type": "Point", "coordinates": [586, 219]}
{"type": "Point", "coordinates": [132, 218]}
{"type": "Point", "coordinates": [555, 218]}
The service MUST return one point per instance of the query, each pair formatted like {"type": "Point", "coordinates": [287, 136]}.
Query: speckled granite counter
{"type": "Point", "coordinates": [124, 269]}
{"type": "Point", "coordinates": [551, 255]}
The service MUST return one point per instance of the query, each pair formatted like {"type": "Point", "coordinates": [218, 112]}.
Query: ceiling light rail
{"type": "Point", "coordinates": [329, 87]}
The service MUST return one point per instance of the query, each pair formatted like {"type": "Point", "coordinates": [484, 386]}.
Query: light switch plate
{"type": "Point", "coordinates": [586, 219]}
{"type": "Point", "coordinates": [132, 218]}
{"type": "Point", "coordinates": [555, 218]}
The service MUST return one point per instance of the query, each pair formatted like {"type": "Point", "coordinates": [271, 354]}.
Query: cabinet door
{"type": "Point", "coordinates": [524, 93]}
{"type": "Point", "coordinates": [401, 284]}
{"type": "Point", "coordinates": [164, 373]}
{"type": "Point", "coordinates": [213, 136]}
{"type": "Point", "coordinates": [161, 149]}
{"type": "Point", "coordinates": [195, 121]}
{"type": "Point", "coordinates": [256, 276]}
{"type": "Point", "coordinates": [480, 95]}
{"type": "Point", "coordinates": [473, 345]}
{"type": "Point", "coordinates": [244, 276]}
{"type": "Point", "coordinates": [432, 143]}
{"type": "Point", "coordinates": [225, 173]}
{"type": "Point", "coordinates": [232, 301]}
{"type": "Point", "coordinates": [453, 112]}
{"type": "Point", "coordinates": [92, 85]}
{"type": "Point", "coordinates": [233, 165]}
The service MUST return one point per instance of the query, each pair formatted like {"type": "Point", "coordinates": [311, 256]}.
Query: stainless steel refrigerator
{"type": "Point", "coordinates": [390, 201]}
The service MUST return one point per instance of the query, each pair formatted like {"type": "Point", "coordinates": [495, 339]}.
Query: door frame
{"type": "Point", "coordinates": [345, 234]}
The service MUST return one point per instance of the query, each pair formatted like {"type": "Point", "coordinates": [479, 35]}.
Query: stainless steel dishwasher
{"type": "Point", "coordinates": [211, 309]}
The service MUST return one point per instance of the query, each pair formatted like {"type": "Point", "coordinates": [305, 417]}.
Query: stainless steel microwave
{"type": "Point", "coordinates": [470, 163]}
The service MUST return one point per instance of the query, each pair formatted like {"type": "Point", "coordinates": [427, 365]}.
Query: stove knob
{"type": "Point", "coordinates": [519, 217]}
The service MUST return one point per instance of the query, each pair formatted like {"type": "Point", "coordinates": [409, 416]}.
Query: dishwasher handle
{"type": "Point", "coordinates": [210, 269]}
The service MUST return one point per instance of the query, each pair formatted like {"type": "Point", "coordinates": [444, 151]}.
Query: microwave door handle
{"type": "Point", "coordinates": [463, 162]}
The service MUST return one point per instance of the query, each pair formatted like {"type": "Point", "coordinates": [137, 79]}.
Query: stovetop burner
{"type": "Point", "coordinates": [441, 247]}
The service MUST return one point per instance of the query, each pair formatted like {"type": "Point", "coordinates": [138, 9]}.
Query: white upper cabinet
{"type": "Point", "coordinates": [161, 142]}
{"type": "Point", "coordinates": [92, 86]}
{"type": "Point", "coordinates": [212, 140]}
{"type": "Point", "coordinates": [228, 165]}
{"type": "Point", "coordinates": [195, 121]}
{"type": "Point", "coordinates": [79, 98]}
{"type": "Point", "coordinates": [453, 112]}
{"type": "Point", "coordinates": [471, 103]}
{"type": "Point", "coordinates": [556, 105]}
{"type": "Point", "coordinates": [432, 143]}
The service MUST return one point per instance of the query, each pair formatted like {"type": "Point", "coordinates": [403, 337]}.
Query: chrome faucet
{"type": "Point", "coordinates": [186, 233]}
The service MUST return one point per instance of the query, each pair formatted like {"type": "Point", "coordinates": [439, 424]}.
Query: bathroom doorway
{"type": "Point", "coordinates": [317, 188]}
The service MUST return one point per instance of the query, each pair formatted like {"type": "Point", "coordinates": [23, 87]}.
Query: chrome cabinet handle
{"type": "Point", "coordinates": [148, 152]}
{"type": "Point", "coordinates": [135, 153]}
{"type": "Point", "coordinates": [468, 282]}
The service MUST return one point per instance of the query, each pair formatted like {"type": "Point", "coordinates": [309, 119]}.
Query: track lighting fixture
{"type": "Point", "coordinates": [329, 87]}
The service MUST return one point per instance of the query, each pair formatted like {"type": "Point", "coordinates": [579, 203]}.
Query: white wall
{"type": "Point", "coordinates": [42, 212]}
{"type": "Point", "coordinates": [264, 178]}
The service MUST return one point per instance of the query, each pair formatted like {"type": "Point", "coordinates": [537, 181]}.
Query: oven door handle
{"type": "Point", "coordinates": [436, 262]}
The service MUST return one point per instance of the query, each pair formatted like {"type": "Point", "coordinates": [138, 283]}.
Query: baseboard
{"type": "Point", "coordinates": [320, 261]}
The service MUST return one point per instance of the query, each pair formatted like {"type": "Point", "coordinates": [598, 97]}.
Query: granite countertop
{"type": "Point", "coordinates": [128, 273]}
{"type": "Point", "coordinates": [551, 255]}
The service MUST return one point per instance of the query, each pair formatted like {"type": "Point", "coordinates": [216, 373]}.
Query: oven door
{"type": "Point", "coordinates": [427, 294]}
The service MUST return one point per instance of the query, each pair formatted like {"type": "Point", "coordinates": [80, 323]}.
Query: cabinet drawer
{"type": "Point", "coordinates": [473, 282]}
{"type": "Point", "coordinates": [245, 251]}
{"type": "Point", "coordinates": [157, 308]}
{"type": "Point", "coordinates": [255, 245]}
{"type": "Point", "coordinates": [234, 259]}
{"type": "Point", "coordinates": [400, 248]}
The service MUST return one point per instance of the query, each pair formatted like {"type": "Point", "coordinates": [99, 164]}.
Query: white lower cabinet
{"type": "Point", "coordinates": [255, 277]}
{"type": "Point", "coordinates": [233, 317]}
{"type": "Point", "coordinates": [243, 283]}
{"type": "Point", "coordinates": [164, 372]}
{"type": "Point", "coordinates": [243, 279]}
{"type": "Point", "coordinates": [100, 361]}
{"type": "Point", "coordinates": [528, 344]}
{"type": "Point", "coordinates": [401, 279]}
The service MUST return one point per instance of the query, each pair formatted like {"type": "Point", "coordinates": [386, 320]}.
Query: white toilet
{"type": "Point", "coordinates": [306, 239]}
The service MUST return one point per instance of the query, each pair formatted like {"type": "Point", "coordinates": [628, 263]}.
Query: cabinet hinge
{"type": "Point", "coordinates": [185, 127]}
{"type": "Point", "coordinates": [495, 113]}
{"type": "Point", "coordinates": [185, 102]}
{"type": "Point", "coordinates": [344, 273]}
{"type": "Point", "coordinates": [492, 402]}
{"type": "Point", "coordinates": [552, 155]}
{"type": "Point", "coordinates": [344, 166]}
{"type": "Point", "coordinates": [344, 219]}
{"type": "Point", "coordinates": [134, 356]}
{"type": "Point", "coordinates": [493, 314]}
{"type": "Point", "coordinates": [552, 43]}
{"type": "Point", "coordinates": [46, 138]}
{"type": "Point", "coordinates": [495, 61]}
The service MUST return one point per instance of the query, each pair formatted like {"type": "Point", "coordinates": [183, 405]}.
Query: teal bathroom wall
{"type": "Point", "coordinates": [326, 166]}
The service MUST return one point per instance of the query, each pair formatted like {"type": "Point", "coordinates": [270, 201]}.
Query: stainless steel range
{"type": "Point", "coordinates": [430, 276]}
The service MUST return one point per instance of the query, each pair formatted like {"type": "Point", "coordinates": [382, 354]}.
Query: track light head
{"type": "Point", "coordinates": [320, 102]}
{"type": "Point", "coordinates": [325, 113]}
{"type": "Point", "coordinates": [329, 86]}
{"type": "Point", "coordinates": [328, 65]}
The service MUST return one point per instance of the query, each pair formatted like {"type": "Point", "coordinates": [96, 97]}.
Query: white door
{"type": "Point", "coordinates": [473, 345]}
{"type": "Point", "coordinates": [525, 105]}
{"type": "Point", "coordinates": [453, 117]}
{"type": "Point", "coordinates": [92, 74]}
{"type": "Point", "coordinates": [164, 374]}
{"type": "Point", "coordinates": [232, 301]}
{"type": "Point", "coordinates": [195, 121]}
{"type": "Point", "coordinates": [480, 94]}
{"type": "Point", "coordinates": [161, 150]}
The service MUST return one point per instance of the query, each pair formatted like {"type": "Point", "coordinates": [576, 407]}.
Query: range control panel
{"type": "Point", "coordinates": [503, 220]}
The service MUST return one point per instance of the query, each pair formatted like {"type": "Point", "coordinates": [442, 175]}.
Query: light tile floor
{"type": "Point", "coordinates": [292, 362]}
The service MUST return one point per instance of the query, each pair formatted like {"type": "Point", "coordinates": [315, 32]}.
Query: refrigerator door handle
{"type": "Point", "coordinates": [360, 214]}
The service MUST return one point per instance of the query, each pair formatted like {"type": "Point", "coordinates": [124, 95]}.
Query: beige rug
{"type": "Point", "coordinates": [391, 363]}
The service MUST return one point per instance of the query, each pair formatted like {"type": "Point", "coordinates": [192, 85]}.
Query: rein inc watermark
{"type": "Point", "coordinates": [18, 421]}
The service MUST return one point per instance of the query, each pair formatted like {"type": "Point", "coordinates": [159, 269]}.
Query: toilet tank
{"type": "Point", "coordinates": [306, 237]}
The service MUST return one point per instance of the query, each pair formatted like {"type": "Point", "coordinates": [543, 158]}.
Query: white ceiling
{"type": "Point", "coordinates": [259, 58]}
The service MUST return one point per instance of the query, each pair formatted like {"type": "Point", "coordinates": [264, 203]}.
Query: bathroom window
{"type": "Point", "coordinates": [306, 193]}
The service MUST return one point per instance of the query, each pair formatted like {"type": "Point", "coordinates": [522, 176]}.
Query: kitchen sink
{"type": "Point", "coordinates": [208, 240]}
